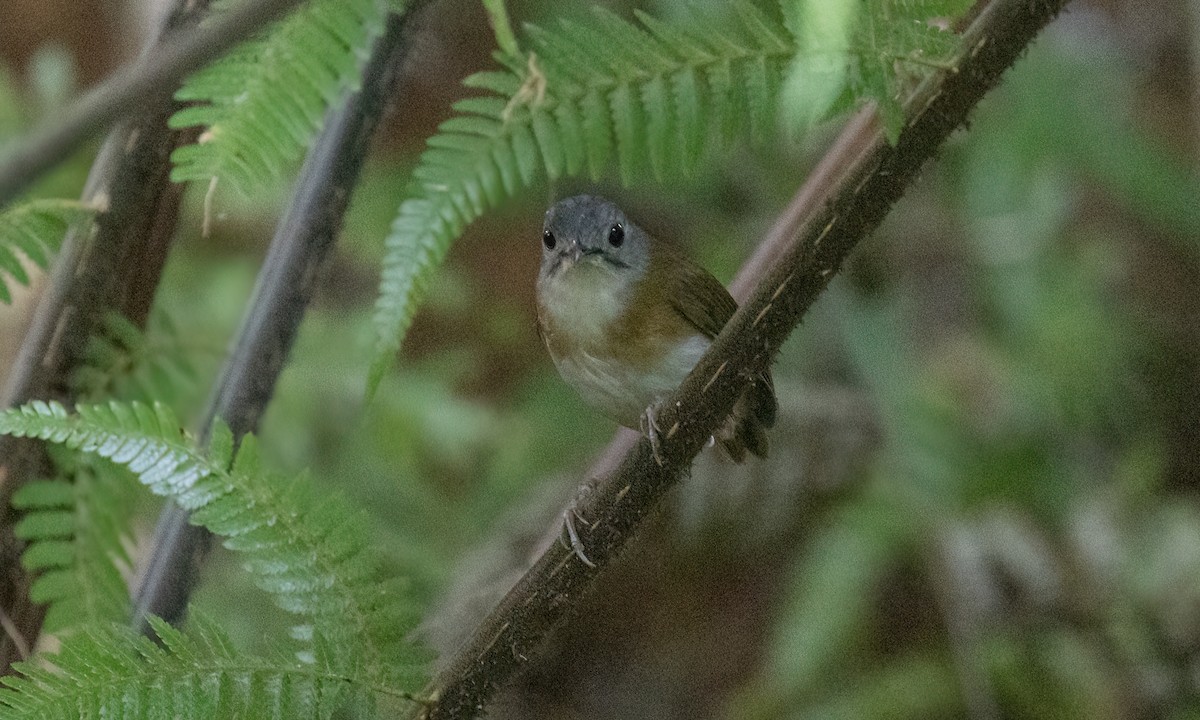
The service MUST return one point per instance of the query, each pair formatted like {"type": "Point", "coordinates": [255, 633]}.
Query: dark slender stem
{"type": "Point", "coordinates": [156, 72]}
{"type": "Point", "coordinates": [807, 249]}
{"type": "Point", "coordinates": [114, 264]}
{"type": "Point", "coordinates": [302, 243]}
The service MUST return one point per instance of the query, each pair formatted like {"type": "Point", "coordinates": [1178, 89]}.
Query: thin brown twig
{"type": "Point", "coordinates": [156, 72]}
{"type": "Point", "coordinates": [803, 252]}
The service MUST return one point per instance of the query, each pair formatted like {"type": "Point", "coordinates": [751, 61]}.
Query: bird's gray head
{"type": "Point", "coordinates": [589, 230]}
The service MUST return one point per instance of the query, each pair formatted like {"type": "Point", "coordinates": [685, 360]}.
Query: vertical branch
{"type": "Point", "coordinates": [812, 245]}
{"type": "Point", "coordinates": [302, 243]}
{"type": "Point", "coordinates": [113, 265]}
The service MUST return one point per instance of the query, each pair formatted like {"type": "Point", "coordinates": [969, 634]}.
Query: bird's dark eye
{"type": "Point", "coordinates": [548, 240]}
{"type": "Point", "coordinates": [616, 235]}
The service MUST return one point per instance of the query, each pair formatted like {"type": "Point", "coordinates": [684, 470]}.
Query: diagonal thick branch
{"type": "Point", "coordinates": [864, 177]}
{"type": "Point", "coordinates": [158, 71]}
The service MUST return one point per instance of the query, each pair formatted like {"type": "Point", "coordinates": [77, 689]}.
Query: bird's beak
{"type": "Point", "coordinates": [572, 253]}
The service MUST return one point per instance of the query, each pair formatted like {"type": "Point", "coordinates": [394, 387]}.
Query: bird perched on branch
{"type": "Point", "coordinates": [626, 317]}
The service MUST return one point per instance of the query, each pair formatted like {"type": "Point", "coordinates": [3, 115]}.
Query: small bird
{"type": "Point", "coordinates": [626, 317]}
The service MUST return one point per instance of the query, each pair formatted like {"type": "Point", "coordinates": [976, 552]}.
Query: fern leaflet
{"type": "Point", "coordinates": [122, 361]}
{"type": "Point", "coordinates": [889, 46]}
{"type": "Point", "coordinates": [311, 553]}
{"type": "Point", "coordinates": [110, 673]}
{"type": "Point", "coordinates": [35, 229]}
{"type": "Point", "coordinates": [262, 103]}
{"type": "Point", "coordinates": [76, 525]}
{"type": "Point", "coordinates": [75, 531]}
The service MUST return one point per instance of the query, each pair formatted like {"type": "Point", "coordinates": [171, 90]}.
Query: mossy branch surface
{"type": "Point", "coordinates": [811, 249]}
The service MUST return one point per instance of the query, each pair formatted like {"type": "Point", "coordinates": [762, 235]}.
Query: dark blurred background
{"type": "Point", "coordinates": [983, 499]}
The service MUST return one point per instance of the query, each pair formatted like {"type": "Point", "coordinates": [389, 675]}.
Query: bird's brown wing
{"type": "Point", "coordinates": [705, 303]}
{"type": "Point", "coordinates": [699, 297]}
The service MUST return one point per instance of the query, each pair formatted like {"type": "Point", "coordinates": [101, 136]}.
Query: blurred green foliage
{"type": "Point", "coordinates": [998, 322]}
{"type": "Point", "coordinates": [1025, 326]}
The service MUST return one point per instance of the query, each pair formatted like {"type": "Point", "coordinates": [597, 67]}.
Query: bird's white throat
{"type": "Point", "coordinates": [583, 298]}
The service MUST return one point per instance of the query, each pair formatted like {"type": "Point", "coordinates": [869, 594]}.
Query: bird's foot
{"type": "Point", "coordinates": [651, 430]}
{"type": "Point", "coordinates": [570, 515]}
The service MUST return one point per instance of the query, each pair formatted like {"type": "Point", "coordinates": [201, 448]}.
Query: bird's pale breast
{"type": "Point", "coordinates": [621, 347]}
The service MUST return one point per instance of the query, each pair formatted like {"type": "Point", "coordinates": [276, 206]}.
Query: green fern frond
{"type": "Point", "coordinates": [262, 103]}
{"type": "Point", "coordinates": [653, 98]}
{"type": "Point", "coordinates": [35, 229]}
{"type": "Point", "coordinates": [650, 97]}
{"type": "Point", "coordinates": [75, 531]}
{"type": "Point", "coordinates": [122, 361]}
{"type": "Point", "coordinates": [77, 525]}
{"type": "Point", "coordinates": [310, 552]}
{"type": "Point", "coordinates": [888, 46]}
{"type": "Point", "coordinates": [112, 673]}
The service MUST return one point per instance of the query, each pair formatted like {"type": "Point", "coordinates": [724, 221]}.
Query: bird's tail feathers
{"type": "Point", "coordinates": [746, 428]}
